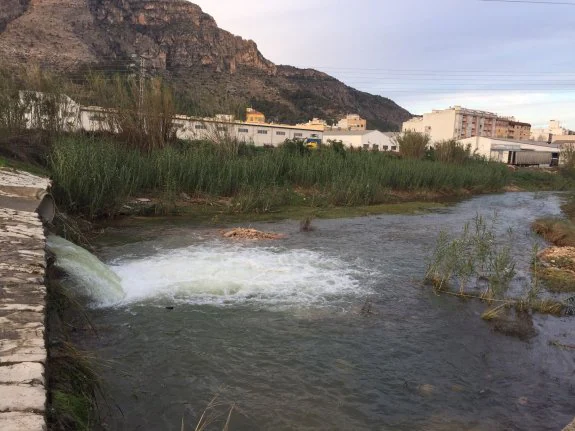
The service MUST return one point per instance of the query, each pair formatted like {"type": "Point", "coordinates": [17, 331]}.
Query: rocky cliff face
{"type": "Point", "coordinates": [185, 44]}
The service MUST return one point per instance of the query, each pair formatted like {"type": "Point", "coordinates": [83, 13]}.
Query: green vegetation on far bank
{"type": "Point", "coordinates": [96, 177]}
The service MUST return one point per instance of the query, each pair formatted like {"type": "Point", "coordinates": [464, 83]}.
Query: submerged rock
{"type": "Point", "coordinates": [520, 325]}
{"type": "Point", "coordinates": [426, 390]}
{"type": "Point", "coordinates": [244, 233]}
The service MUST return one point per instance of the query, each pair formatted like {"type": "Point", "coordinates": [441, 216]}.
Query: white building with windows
{"type": "Point", "coordinates": [365, 139]}
{"type": "Point", "coordinates": [259, 134]}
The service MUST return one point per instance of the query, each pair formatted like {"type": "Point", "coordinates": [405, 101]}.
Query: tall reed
{"type": "Point", "coordinates": [96, 176]}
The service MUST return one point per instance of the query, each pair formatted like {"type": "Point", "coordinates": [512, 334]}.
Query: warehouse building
{"type": "Point", "coordinates": [364, 139]}
{"type": "Point", "coordinates": [514, 152]}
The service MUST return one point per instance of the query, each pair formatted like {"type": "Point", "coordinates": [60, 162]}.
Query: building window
{"type": "Point", "coordinates": [394, 148]}
{"type": "Point", "coordinates": [222, 128]}
{"type": "Point", "coordinates": [243, 130]}
{"type": "Point", "coordinates": [262, 132]}
{"type": "Point", "coordinates": [297, 135]}
{"type": "Point", "coordinates": [281, 133]}
{"type": "Point", "coordinates": [366, 146]}
{"type": "Point", "coordinates": [200, 127]}
{"type": "Point", "coordinates": [385, 147]}
{"type": "Point", "coordinates": [375, 147]}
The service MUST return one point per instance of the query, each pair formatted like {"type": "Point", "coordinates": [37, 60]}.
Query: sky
{"type": "Point", "coordinates": [515, 59]}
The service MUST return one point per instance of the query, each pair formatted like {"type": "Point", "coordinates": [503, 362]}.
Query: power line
{"type": "Point", "coordinates": [550, 3]}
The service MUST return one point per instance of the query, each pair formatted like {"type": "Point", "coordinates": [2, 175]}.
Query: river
{"type": "Point", "coordinates": [276, 329]}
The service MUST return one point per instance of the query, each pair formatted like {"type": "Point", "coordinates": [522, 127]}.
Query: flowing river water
{"type": "Point", "coordinates": [276, 328]}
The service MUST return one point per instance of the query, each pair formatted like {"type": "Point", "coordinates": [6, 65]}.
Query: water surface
{"type": "Point", "coordinates": [276, 328]}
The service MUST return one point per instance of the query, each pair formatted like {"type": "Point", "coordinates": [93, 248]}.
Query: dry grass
{"type": "Point", "coordinates": [559, 232]}
{"type": "Point", "coordinates": [494, 312]}
{"type": "Point", "coordinates": [548, 306]}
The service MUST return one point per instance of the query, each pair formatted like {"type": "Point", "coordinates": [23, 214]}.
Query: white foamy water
{"type": "Point", "coordinates": [90, 277]}
{"type": "Point", "coordinates": [224, 274]}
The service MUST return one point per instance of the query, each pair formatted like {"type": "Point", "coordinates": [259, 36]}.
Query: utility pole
{"type": "Point", "coordinates": [141, 81]}
{"type": "Point", "coordinates": [142, 76]}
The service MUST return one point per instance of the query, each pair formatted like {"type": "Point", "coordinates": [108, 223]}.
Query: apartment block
{"type": "Point", "coordinates": [253, 116]}
{"type": "Point", "coordinates": [554, 131]}
{"type": "Point", "coordinates": [351, 122]}
{"type": "Point", "coordinates": [453, 123]}
{"type": "Point", "coordinates": [508, 128]}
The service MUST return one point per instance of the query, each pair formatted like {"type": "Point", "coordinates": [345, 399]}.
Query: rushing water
{"type": "Point", "coordinates": [276, 328]}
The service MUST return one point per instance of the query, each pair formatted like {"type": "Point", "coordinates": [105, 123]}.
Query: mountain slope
{"type": "Point", "coordinates": [211, 68]}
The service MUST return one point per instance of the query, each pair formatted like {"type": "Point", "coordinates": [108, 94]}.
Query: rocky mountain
{"type": "Point", "coordinates": [209, 67]}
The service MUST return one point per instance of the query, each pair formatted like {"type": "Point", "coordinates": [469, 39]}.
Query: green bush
{"type": "Point", "coordinates": [451, 151]}
{"type": "Point", "coordinates": [413, 145]}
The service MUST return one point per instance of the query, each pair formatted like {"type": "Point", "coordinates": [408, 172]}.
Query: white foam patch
{"type": "Point", "coordinates": [224, 274]}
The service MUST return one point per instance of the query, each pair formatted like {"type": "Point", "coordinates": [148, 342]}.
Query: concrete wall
{"type": "Point", "coordinates": [22, 304]}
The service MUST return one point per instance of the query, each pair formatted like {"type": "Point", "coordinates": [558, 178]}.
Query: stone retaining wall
{"type": "Point", "coordinates": [22, 303]}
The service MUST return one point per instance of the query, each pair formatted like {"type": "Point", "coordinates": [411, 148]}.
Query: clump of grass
{"type": "Point", "coordinates": [214, 412]}
{"type": "Point", "coordinates": [74, 385]}
{"type": "Point", "coordinates": [73, 380]}
{"type": "Point", "coordinates": [557, 280]}
{"type": "Point", "coordinates": [473, 256]}
{"type": "Point", "coordinates": [559, 232]}
{"type": "Point", "coordinates": [305, 224]}
{"type": "Point", "coordinates": [493, 313]}
{"type": "Point", "coordinates": [547, 306]}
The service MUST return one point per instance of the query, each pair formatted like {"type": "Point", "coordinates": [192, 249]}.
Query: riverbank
{"type": "Point", "coordinates": [99, 178]}
{"type": "Point", "coordinates": [557, 263]}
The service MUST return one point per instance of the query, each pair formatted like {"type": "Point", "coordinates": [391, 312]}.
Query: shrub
{"type": "Point", "coordinates": [451, 151]}
{"type": "Point", "coordinates": [413, 145]}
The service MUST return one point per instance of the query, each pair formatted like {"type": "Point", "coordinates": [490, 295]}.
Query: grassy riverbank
{"type": "Point", "coordinates": [557, 267]}
{"type": "Point", "coordinates": [97, 177]}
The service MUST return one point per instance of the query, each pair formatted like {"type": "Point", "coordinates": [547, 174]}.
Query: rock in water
{"type": "Point", "coordinates": [252, 234]}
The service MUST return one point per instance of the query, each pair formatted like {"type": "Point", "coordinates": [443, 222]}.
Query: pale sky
{"type": "Point", "coordinates": [506, 57]}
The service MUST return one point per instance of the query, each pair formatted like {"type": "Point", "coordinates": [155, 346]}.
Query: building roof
{"type": "Point", "coordinates": [552, 146]}
{"type": "Point", "coordinates": [348, 132]}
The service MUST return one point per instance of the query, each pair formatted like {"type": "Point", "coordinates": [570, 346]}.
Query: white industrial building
{"type": "Point", "coordinates": [365, 139]}
{"type": "Point", "coordinates": [513, 152]}
{"type": "Point", "coordinates": [221, 127]}
{"type": "Point", "coordinates": [259, 134]}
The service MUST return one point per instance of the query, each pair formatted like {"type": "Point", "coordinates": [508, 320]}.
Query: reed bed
{"type": "Point", "coordinates": [96, 177]}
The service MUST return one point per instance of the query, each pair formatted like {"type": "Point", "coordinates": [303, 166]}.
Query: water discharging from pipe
{"type": "Point", "coordinates": [210, 273]}
{"type": "Point", "coordinates": [88, 275]}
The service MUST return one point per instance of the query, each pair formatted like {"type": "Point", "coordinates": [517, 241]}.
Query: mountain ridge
{"type": "Point", "coordinates": [206, 64]}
